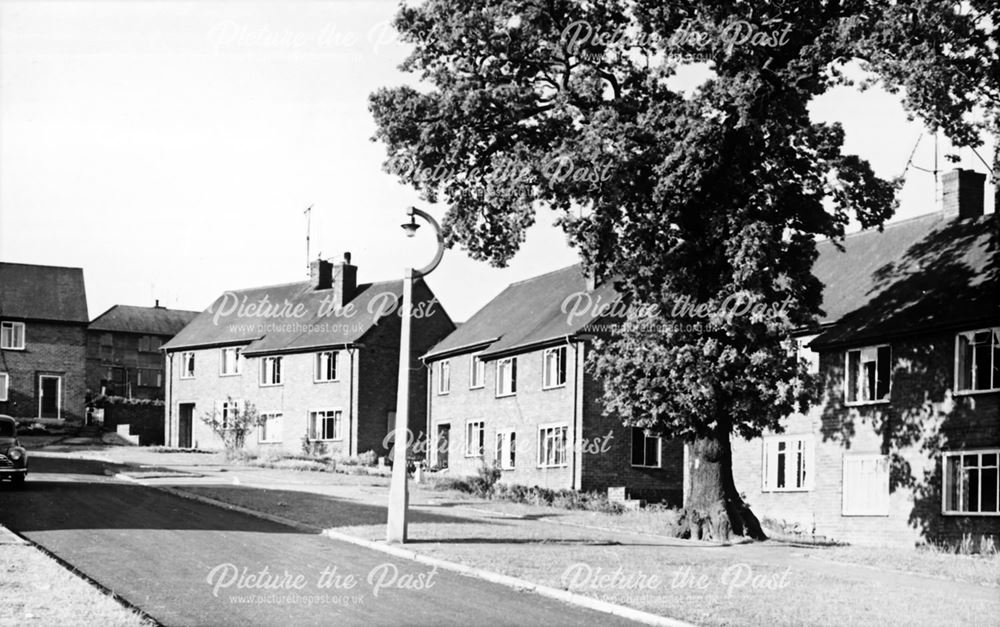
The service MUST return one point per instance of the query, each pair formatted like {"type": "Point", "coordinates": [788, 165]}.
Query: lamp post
{"type": "Point", "coordinates": [399, 496]}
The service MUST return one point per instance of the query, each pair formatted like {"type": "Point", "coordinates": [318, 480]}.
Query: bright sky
{"type": "Point", "coordinates": [170, 148]}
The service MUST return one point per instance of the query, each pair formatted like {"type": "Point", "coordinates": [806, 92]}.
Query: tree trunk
{"type": "Point", "coordinates": [714, 510]}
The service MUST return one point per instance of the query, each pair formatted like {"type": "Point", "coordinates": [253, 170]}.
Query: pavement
{"type": "Point", "coordinates": [189, 563]}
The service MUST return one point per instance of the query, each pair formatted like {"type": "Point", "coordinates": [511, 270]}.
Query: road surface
{"type": "Point", "coordinates": [188, 563]}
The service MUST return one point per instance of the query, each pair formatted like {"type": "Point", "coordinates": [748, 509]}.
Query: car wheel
{"type": "Point", "coordinates": [18, 481]}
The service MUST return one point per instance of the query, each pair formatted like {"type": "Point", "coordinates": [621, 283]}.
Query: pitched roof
{"type": "Point", "coordinates": [42, 293]}
{"type": "Point", "coordinates": [289, 318]}
{"type": "Point", "coordinates": [147, 320]}
{"type": "Point", "coordinates": [929, 272]}
{"type": "Point", "coordinates": [526, 313]}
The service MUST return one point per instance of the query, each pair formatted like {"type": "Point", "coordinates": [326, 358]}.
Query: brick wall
{"type": "Point", "coordinates": [122, 352]}
{"type": "Point", "coordinates": [602, 458]}
{"type": "Point", "coordinates": [50, 348]}
{"type": "Point", "coordinates": [922, 418]}
{"type": "Point", "coordinates": [143, 421]}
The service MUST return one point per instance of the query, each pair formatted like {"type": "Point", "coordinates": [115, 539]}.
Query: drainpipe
{"type": "Point", "coordinates": [350, 408]}
{"type": "Point", "coordinates": [577, 422]}
{"type": "Point", "coordinates": [427, 434]}
{"type": "Point", "coordinates": [170, 398]}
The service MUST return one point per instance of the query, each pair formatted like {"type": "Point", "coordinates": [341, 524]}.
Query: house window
{"type": "Point", "coordinates": [107, 345]}
{"type": "Point", "coordinates": [807, 354]}
{"type": "Point", "coordinates": [867, 374]}
{"type": "Point", "coordinates": [505, 453]}
{"type": "Point", "coordinates": [229, 410]}
{"type": "Point", "coordinates": [552, 446]}
{"type": "Point", "coordinates": [270, 427]}
{"type": "Point", "coordinates": [149, 377]}
{"type": "Point", "coordinates": [326, 424]}
{"type": "Point", "coordinates": [149, 344]}
{"type": "Point", "coordinates": [116, 375]}
{"type": "Point", "coordinates": [326, 366]}
{"type": "Point", "coordinates": [444, 376]}
{"type": "Point", "coordinates": [788, 463]}
{"type": "Point", "coordinates": [977, 357]}
{"type": "Point", "coordinates": [645, 449]}
{"type": "Point", "coordinates": [270, 371]}
{"type": "Point", "coordinates": [554, 367]}
{"type": "Point", "coordinates": [4, 385]}
{"type": "Point", "coordinates": [187, 365]}
{"type": "Point", "coordinates": [475, 438]}
{"type": "Point", "coordinates": [971, 482]}
{"type": "Point", "coordinates": [230, 361]}
{"type": "Point", "coordinates": [866, 485]}
{"type": "Point", "coordinates": [12, 335]}
{"type": "Point", "coordinates": [507, 376]}
{"type": "Point", "coordinates": [477, 372]}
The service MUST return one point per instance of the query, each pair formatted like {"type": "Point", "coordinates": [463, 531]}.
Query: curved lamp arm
{"type": "Point", "coordinates": [413, 211]}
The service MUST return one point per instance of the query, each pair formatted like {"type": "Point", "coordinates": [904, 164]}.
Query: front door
{"type": "Point", "coordinates": [442, 445]}
{"type": "Point", "coordinates": [49, 395]}
{"type": "Point", "coordinates": [185, 412]}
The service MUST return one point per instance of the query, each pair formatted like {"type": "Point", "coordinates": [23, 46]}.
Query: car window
{"type": "Point", "coordinates": [6, 429]}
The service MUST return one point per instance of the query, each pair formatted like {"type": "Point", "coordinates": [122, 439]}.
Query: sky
{"type": "Point", "coordinates": [171, 148]}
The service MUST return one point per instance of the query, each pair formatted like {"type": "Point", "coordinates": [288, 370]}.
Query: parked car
{"type": "Point", "coordinates": [13, 457]}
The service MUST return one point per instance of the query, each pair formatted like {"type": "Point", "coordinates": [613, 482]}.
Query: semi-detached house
{"type": "Point", "coordinates": [319, 359]}
{"type": "Point", "coordinates": [509, 389]}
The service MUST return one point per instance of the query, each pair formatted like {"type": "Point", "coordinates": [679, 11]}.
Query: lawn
{"type": "Point", "coordinates": [36, 590]}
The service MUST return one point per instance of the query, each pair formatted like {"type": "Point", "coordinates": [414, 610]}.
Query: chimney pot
{"type": "Point", "coordinates": [347, 257]}
{"type": "Point", "coordinates": [962, 194]}
{"type": "Point", "coordinates": [321, 274]}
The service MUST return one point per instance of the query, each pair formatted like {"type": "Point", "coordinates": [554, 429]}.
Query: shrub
{"type": "Point", "coordinates": [233, 427]}
{"type": "Point", "coordinates": [487, 477]}
{"type": "Point", "coordinates": [313, 448]}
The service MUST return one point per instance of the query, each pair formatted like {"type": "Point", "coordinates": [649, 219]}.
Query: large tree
{"type": "Point", "coordinates": [696, 195]}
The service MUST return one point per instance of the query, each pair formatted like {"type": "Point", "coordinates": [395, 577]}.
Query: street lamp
{"type": "Point", "coordinates": [399, 495]}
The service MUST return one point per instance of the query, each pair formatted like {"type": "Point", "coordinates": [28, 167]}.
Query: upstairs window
{"type": "Point", "coordinates": [788, 463]}
{"type": "Point", "coordinates": [270, 371]}
{"type": "Point", "coordinates": [507, 377]}
{"type": "Point", "coordinates": [977, 367]}
{"type": "Point", "coordinates": [554, 367]}
{"type": "Point", "coordinates": [444, 376]}
{"type": "Point", "coordinates": [149, 344]}
{"type": "Point", "coordinates": [477, 372]}
{"type": "Point", "coordinates": [230, 360]}
{"type": "Point", "coordinates": [12, 335]}
{"type": "Point", "coordinates": [187, 365]}
{"type": "Point", "coordinates": [326, 366]}
{"type": "Point", "coordinates": [645, 449]}
{"type": "Point", "coordinates": [971, 482]}
{"type": "Point", "coordinates": [867, 374]}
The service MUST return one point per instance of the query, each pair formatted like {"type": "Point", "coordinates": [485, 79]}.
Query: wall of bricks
{"type": "Point", "coordinates": [922, 418]}
{"type": "Point", "coordinates": [602, 458]}
{"type": "Point", "coordinates": [50, 348]}
{"type": "Point", "coordinates": [122, 352]}
{"type": "Point", "coordinates": [143, 421]}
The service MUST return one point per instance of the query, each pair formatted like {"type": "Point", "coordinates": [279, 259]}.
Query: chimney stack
{"type": "Point", "coordinates": [962, 194]}
{"type": "Point", "coordinates": [321, 274]}
{"type": "Point", "coordinates": [345, 281]}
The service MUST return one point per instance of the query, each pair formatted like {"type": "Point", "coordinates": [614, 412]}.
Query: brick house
{"type": "Point", "coordinates": [43, 326]}
{"type": "Point", "coordinates": [123, 349]}
{"type": "Point", "coordinates": [904, 443]}
{"type": "Point", "coordinates": [319, 358]}
{"type": "Point", "coordinates": [509, 388]}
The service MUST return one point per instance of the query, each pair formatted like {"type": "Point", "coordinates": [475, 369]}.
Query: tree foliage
{"type": "Point", "coordinates": [232, 427]}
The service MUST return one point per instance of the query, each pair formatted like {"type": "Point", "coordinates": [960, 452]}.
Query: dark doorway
{"type": "Point", "coordinates": [442, 445]}
{"type": "Point", "coordinates": [49, 393]}
{"type": "Point", "coordinates": [185, 415]}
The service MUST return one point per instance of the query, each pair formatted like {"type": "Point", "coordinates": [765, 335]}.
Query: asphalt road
{"type": "Point", "coordinates": [187, 563]}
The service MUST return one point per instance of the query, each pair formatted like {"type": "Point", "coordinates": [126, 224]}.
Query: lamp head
{"type": "Point", "coordinates": [411, 226]}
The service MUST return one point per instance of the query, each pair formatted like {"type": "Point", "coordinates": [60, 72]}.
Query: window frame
{"type": "Point", "coordinates": [482, 437]}
{"type": "Point", "coordinates": [224, 407]}
{"type": "Point", "coordinates": [808, 441]}
{"type": "Point", "coordinates": [443, 368]}
{"type": "Point", "coordinates": [513, 376]}
{"type": "Point", "coordinates": [139, 378]}
{"type": "Point", "coordinates": [477, 372]}
{"type": "Point", "coordinates": [12, 325]}
{"type": "Point", "coordinates": [275, 370]}
{"type": "Point", "coordinates": [262, 431]}
{"type": "Point", "coordinates": [5, 376]}
{"type": "Point", "coordinates": [944, 479]}
{"type": "Point", "coordinates": [185, 373]}
{"type": "Point", "coordinates": [565, 449]}
{"type": "Point", "coordinates": [562, 354]}
{"type": "Point", "coordinates": [861, 363]}
{"type": "Point", "coordinates": [222, 361]}
{"type": "Point", "coordinates": [338, 418]}
{"type": "Point", "coordinates": [334, 359]}
{"type": "Point", "coordinates": [506, 440]}
{"type": "Point", "coordinates": [994, 341]}
{"type": "Point", "coordinates": [645, 436]}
